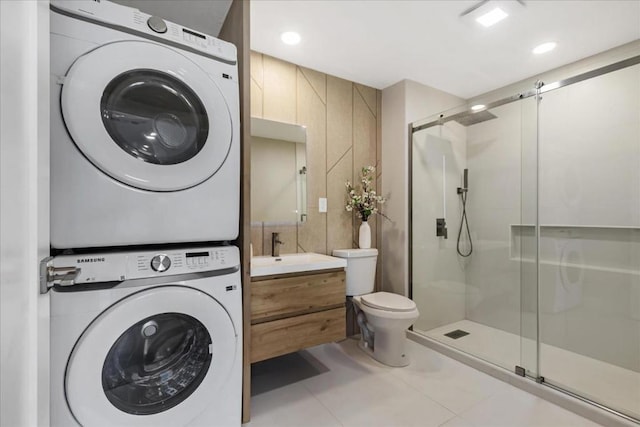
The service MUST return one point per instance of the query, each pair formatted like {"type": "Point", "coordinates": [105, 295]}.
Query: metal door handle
{"type": "Point", "coordinates": [50, 275]}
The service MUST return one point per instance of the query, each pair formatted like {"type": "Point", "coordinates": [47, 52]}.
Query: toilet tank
{"type": "Point", "coordinates": [361, 269]}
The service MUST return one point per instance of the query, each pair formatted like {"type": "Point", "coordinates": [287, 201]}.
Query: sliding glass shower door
{"type": "Point", "coordinates": [590, 238]}
{"type": "Point", "coordinates": [545, 281]}
{"type": "Point", "coordinates": [468, 270]}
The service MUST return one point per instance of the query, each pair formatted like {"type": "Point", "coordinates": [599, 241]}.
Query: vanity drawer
{"type": "Point", "coordinates": [276, 298]}
{"type": "Point", "coordinates": [271, 339]}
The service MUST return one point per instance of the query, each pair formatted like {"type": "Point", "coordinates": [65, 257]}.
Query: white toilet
{"type": "Point", "coordinates": [383, 317]}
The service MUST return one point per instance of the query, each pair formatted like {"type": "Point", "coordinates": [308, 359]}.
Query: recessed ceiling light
{"type": "Point", "coordinates": [544, 47]}
{"type": "Point", "coordinates": [290, 37]}
{"type": "Point", "coordinates": [478, 107]}
{"type": "Point", "coordinates": [493, 17]}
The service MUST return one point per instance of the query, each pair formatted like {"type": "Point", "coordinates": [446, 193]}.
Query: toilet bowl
{"type": "Point", "coordinates": [383, 317]}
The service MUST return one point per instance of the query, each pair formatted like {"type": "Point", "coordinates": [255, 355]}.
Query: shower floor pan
{"type": "Point", "coordinates": [611, 385]}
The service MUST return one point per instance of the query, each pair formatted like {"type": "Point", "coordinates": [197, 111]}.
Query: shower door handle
{"type": "Point", "coordinates": [441, 227]}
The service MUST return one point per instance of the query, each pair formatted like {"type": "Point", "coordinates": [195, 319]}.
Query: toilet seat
{"type": "Point", "coordinates": [388, 302]}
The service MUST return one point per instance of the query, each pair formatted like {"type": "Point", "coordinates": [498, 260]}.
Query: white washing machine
{"type": "Point", "coordinates": [147, 338]}
{"type": "Point", "coordinates": [144, 130]}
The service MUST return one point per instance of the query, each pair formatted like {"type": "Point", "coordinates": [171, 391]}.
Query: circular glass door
{"type": "Point", "coordinates": [154, 117]}
{"type": "Point", "coordinates": [156, 357]}
{"type": "Point", "coordinates": [147, 115]}
{"type": "Point", "coordinates": [156, 363]}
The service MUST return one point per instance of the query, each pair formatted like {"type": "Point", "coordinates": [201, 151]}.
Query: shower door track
{"type": "Point", "coordinates": [533, 92]}
{"type": "Point", "coordinates": [587, 400]}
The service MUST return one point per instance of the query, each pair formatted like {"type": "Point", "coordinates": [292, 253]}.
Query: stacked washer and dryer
{"type": "Point", "coordinates": [146, 306]}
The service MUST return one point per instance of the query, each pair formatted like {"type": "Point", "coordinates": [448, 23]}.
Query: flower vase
{"type": "Point", "coordinates": [364, 235]}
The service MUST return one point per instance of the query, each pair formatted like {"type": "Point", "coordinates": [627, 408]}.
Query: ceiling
{"type": "Point", "coordinates": [380, 42]}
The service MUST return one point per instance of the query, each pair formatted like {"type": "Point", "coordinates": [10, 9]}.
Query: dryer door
{"type": "Point", "coordinates": [146, 115]}
{"type": "Point", "coordinates": [157, 357]}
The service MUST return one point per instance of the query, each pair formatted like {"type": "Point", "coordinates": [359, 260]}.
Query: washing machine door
{"type": "Point", "coordinates": [157, 357]}
{"type": "Point", "coordinates": [146, 115]}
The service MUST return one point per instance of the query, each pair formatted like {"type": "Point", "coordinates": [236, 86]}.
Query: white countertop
{"type": "Point", "coordinates": [294, 263]}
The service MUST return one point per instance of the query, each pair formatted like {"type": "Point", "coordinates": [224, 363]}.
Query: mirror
{"type": "Point", "coordinates": [278, 171]}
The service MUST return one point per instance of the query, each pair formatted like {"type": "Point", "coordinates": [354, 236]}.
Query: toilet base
{"type": "Point", "coordinates": [389, 348]}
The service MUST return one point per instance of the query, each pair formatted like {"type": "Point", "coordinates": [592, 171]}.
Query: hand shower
{"type": "Point", "coordinates": [462, 191]}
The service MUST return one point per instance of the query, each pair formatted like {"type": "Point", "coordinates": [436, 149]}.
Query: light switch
{"type": "Point", "coordinates": [322, 204]}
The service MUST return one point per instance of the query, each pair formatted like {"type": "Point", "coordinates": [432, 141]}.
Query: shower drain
{"type": "Point", "coordinates": [458, 333]}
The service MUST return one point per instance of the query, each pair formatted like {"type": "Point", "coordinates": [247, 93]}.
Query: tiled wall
{"type": "Point", "coordinates": [343, 134]}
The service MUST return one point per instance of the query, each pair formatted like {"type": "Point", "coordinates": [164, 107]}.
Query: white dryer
{"type": "Point", "coordinates": [144, 130]}
{"type": "Point", "coordinates": [147, 339]}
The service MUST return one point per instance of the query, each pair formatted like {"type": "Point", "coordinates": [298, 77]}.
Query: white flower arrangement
{"type": "Point", "coordinates": [365, 202]}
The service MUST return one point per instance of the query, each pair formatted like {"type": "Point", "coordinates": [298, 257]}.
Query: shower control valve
{"type": "Point", "coordinates": [441, 228]}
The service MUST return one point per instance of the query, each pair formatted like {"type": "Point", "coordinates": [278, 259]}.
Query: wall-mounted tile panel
{"type": "Point", "coordinates": [279, 90]}
{"type": "Point", "coordinates": [312, 113]}
{"type": "Point", "coordinates": [339, 119]}
{"type": "Point", "coordinates": [318, 81]}
{"type": "Point", "coordinates": [312, 234]}
{"type": "Point", "coordinates": [369, 95]}
{"type": "Point", "coordinates": [337, 216]}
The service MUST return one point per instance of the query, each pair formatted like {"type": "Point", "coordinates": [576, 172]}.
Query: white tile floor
{"type": "Point", "coordinates": [339, 385]}
{"type": "Point", "coordinates": [603, 382]}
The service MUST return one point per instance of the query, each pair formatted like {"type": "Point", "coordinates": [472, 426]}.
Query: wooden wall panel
{"type": "Point", "coordinates": [364, 151]}
{"type": "Point", "coordinates": [312, 113]}
{"type": "Point", "coordinates": [343, 135]}
{"type": "Point", "coordinates": [278, 90]}
{"type": "Point", "coordinates": [339, 119]}
{"type": "Point", "coordinates": [339, 233]}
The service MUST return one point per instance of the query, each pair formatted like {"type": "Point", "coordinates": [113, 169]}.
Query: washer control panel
{"type": "Point", "coordinates": [113, 14]}
{"type": "Point", "coordinates": [120, 266]}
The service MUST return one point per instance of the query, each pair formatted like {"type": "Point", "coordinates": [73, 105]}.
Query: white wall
{"type": "Point", "coordinates": [402, 104]}
{"type": "Point", "coordinates": [24, 212]}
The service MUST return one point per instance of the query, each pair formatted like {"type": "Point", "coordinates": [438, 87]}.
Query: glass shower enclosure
{"type": "Point", "coordinates": [525, 233]}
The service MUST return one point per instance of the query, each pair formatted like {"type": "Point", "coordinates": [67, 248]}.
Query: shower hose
{"type": "Point", "coordinates": [463, 221]}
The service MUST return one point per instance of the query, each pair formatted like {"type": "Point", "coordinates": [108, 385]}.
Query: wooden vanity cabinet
{"type": "Point", "coordinates": [291, 312]}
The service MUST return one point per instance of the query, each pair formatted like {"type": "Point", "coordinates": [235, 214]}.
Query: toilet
{"type": "Point", "coordinates": [383, 317]}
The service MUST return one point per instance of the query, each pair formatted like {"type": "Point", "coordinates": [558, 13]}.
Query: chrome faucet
{"type": "Point", "coordinates": [275, 244]}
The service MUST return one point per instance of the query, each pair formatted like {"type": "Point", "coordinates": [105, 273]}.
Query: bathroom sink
{"type": "Point", "coordinates": [293, 263]}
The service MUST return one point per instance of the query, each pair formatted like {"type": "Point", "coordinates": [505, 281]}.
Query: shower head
{"type": "Point", "coordinates": [475, 118]}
